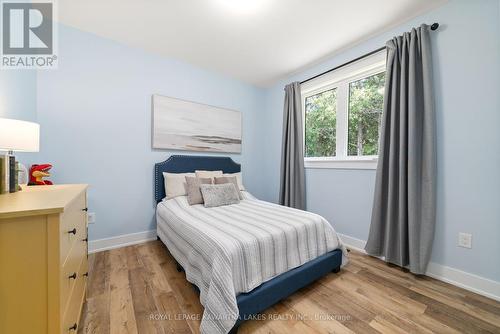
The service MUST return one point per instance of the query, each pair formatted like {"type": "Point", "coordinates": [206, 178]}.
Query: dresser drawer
{"type": "Point", "coordinates": [73, 219]}
{"type": "Point", "coordinates": [76, 263]}
{"type": "Point", "coordinates": [75, 303]}
{"type": "Point", "coordinates": [69, 240]}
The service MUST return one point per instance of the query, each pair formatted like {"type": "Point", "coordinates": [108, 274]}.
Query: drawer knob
{"type": "Point", "coordinates": [86, 239]}
{"type": "Point", "coordinates": [74, 327]}
{"type": "Point", "coordinates": [72, 231]}
{"type": "Point", "coordinates": [86, 274]}
{"type": "Point", "coordinates": [86, 209]}
{"type": "Point", "coordinates": [73, 276]}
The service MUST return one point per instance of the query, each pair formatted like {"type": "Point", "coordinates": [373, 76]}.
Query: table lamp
{"type": "Point", "coordinates": [18, 136]}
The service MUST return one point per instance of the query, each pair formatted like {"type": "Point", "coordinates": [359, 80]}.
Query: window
{"type": "Point", "coordinates": [366, 99]}
{"type": "Point", "coordinates": [342, 115]}
{"type": "Point", "coordinates": [321, 123]}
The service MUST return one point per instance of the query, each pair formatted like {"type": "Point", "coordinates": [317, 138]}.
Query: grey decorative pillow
{"type": "Point", "coordinates": [193, 189]}
{"type": "Point", "coordinates": [219, 194]}
{"type": "Point", "coordinates": [228, 179]}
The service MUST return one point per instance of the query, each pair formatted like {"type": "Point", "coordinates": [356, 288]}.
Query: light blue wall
{"type": "Point", "coordinates": [467, 85]}
{"type": "Point", "coordinates": [95, 117]}
{"type": "Point", "coordinates": [18, 94]}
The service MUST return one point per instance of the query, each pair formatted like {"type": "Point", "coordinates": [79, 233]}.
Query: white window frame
{"type": "Point", "coordinates": [340, 80]}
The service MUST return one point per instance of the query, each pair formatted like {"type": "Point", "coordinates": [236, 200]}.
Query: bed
{"type": "Point", "coordinates": [243, 258]}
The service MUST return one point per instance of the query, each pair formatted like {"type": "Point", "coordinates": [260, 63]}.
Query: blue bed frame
{"type": "Point", "coordinates": [272, 291]}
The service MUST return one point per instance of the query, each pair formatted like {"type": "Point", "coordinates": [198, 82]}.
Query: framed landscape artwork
{"type": "Point", "coordinates": [190, 126]}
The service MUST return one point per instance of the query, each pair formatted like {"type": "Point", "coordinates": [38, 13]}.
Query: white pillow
{"type": "Point", "coordinates": [208, 174]}
{"type": "Point", "coordinates": [174, 184]}
{"type": "Point", "coordinates": [239, 178]}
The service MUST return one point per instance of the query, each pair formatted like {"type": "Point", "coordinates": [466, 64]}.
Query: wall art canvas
{"type": "Point", "coordinates": [190, 126]}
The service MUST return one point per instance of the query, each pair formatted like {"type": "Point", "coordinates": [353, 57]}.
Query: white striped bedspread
{"type": "Point", "coordinates": [233, 249]}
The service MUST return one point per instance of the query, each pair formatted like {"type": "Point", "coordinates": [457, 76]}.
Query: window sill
{"type": "Point", "coordinates": [333, 163]}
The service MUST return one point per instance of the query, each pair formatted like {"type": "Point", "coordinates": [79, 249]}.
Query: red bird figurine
{"type": "Point", "coordinates": [37, 173]}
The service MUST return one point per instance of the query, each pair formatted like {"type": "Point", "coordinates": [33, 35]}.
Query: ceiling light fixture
{"type": "Point", "coordinates": [242, 6]}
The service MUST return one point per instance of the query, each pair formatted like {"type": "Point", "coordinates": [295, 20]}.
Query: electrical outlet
{"type": "Point", "coordinates": [91, 217]}
{"type": "Point", "coordinates": [465, 240]}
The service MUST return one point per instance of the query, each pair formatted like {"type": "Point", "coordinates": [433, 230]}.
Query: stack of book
{"type": "Point", "coordinates": [9, 169]}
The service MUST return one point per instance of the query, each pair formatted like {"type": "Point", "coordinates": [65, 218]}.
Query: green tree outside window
{"type": "Point", "coordinates": [321, 122]}
{"type": "Point", "coordinates": [366, 100]}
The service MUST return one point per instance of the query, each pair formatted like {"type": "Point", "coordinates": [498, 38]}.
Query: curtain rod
{"type": "Point", "coordinates": [434, 26]}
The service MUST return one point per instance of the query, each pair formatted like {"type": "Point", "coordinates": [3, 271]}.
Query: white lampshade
{"type": "Point", "coordinates": [21, 136]}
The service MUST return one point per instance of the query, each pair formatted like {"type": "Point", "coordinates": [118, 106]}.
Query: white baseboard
{"type": "Point", "coordinates": [462, 279]}
{"type": "Point", "coordinates": [353, 243]}
{"type": "Point", "coordinates": [468, 281]}
{"type": "Point", "coordinates": [121, 241]}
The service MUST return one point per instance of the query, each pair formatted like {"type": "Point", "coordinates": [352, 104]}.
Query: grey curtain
{"type": "Point", "coordinates": [404, 206]}
{"type": "Point", "coordinates": [292, 183]}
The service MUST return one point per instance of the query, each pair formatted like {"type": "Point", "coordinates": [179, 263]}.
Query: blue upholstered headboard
{"type": "Point", "coordinates": [188, 164]}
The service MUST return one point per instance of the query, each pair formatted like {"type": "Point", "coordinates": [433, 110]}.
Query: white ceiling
{"type": "Point", "coordinates": [256, 41]}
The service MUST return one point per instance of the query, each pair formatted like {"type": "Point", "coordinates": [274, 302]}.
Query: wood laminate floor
{"type": "Point", "coordinates": [137, 289]}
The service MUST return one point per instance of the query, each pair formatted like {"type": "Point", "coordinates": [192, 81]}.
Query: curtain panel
{"type": "Point", "coordinates": [404, 206]}
{"type": "Point", "coordinates": [292, 178]}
